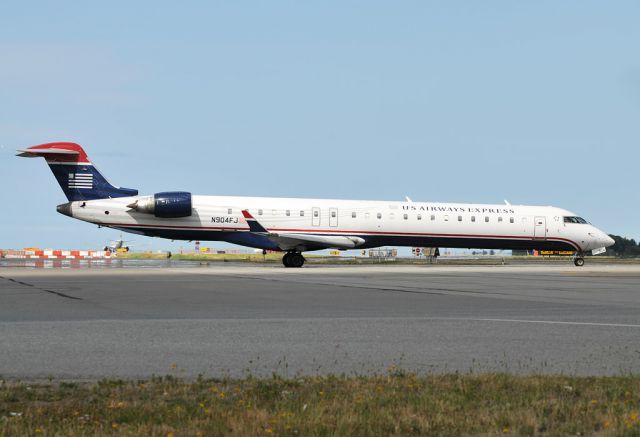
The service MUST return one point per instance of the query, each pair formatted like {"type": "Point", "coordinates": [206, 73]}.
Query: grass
{"type": "Point", "coordinates": [395, 404]}
{"type": "Point", "coordinates": [221, 257]}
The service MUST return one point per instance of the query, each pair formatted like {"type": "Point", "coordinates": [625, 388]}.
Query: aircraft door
{"type": "Point", "coordinates": [540, 228]}
{"type": "Point", "coordinates": [333, 217]}
{"type": "Point", "coordinates": [315, 216]}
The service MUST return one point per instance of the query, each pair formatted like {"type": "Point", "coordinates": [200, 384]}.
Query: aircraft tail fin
{"type": "Point", "coordinates": [77, 176]}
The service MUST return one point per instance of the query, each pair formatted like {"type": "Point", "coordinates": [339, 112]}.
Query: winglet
{"type": "Point", "coordinates": [254, 226]}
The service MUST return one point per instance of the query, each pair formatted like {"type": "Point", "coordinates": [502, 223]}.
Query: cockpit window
{"type": "Point", "coordinates": [575, 220]}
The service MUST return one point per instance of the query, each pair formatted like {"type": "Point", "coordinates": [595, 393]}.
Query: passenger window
{"type": "Point", "coordinates": [459, 218]}
{"type": "Point", "coordinates": [406, 216]}
{"type": "Point", "coordinates": [473, 218]}
{"type": "Point", "coordinates": [446, 218]}
{"type": "Point", "coordinates": [499, 219]}
{"type": "Point", "coordinates": [353, 215]}
{"type": "Point", "coordinates": [511, 220]}
{"type": "Point", "coordinates": [433, 217]}
{"type": "Point", "coordinates": [287, 213]}
{"type": "Point", "coordinates": [419, 217]}
{"type": "Point", "coordinates": [315, 213]}
{"type": "Point", "coordinates": [333, 214]}
{"type": "Point", "coordinates": [379, 215]}
{"type": "Point", "coordinates": [259, 212]}
{"type": "Point", "coordinates": [229, 211]}
{"type": "Point", "coordinates": [486, 219]}
{"type": "Point", "coordinates": [301, 213]}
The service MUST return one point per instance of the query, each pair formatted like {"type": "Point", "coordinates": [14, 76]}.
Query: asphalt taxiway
{"type": "Point", "coordinates": [232, 319]}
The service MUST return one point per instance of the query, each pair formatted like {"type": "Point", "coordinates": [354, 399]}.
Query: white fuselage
{"type": "Point", "coordinates": [376, 223]}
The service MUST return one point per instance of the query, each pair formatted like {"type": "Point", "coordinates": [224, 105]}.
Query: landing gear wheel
{"type": "Point", "coordinates": [293, 259]}
{"type": "Point", "coordinates": [286, 260]}
{"type": "Point", "coordinates": [579, 262]}
{"type": "Point", "coordinates": [297, 260]}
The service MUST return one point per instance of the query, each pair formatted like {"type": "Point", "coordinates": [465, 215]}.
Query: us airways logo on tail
{"type": "Point", "coordinates": [81, 180]}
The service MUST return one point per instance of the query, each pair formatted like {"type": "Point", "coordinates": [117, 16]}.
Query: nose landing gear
{"type": "Point", "coordinates": [293, 259]}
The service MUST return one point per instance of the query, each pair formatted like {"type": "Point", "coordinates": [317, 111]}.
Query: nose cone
{"type": "Point", "coordinates": [65, 209]}
{"type": "Point", "coordinates": [608, 241]}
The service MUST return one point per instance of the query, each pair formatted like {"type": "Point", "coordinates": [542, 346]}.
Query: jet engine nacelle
{"type": "Point", "coordinates": [169, 204]}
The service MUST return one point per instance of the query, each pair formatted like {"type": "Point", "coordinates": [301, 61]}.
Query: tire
{"type": "Point", "coordinates": [579, 262]}
{"type": "Point", "coordinates": [297, 260]}
{"type": "Point", "coordinates": [286, 260]}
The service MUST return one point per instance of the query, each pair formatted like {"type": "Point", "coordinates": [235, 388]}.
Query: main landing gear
{"type": "Point", "coordinates": [578, 259]}
{"type": "Point", "coordinates": [293, 259]}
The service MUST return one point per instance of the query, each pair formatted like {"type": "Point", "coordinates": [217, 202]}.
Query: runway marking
{"type": "Point", "coordinates": [26, 284]}
{"type": "Point", "coordinates": [556, 322]}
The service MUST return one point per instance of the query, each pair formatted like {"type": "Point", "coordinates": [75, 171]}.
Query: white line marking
{"type": "Point", "coordinates": [557, 322]}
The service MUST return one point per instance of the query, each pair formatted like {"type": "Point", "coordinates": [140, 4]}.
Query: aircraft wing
{"type": "Point", "coordinates": [314, 242]}
{"type": "Point", "coordinates": [302, 241]}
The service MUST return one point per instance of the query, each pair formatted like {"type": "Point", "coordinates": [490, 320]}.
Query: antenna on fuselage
{"type": "Point", "coordinates": [408, 199]}
{"type": "Point", "coordinates": [506, 202]}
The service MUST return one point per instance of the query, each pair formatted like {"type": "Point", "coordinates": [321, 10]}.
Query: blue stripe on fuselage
{"type": "Point", "coordinates": [250, 239]}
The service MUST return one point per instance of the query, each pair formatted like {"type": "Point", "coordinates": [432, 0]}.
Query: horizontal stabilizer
{"type": "Point", "coordinates": [35, 153]}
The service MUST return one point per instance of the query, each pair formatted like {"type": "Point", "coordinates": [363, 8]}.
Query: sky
{"type": "Point", "coordinates": [461, 101]}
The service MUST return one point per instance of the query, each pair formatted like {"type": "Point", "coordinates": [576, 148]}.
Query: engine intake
{"type": "Point", "coordinates": [169, 204]}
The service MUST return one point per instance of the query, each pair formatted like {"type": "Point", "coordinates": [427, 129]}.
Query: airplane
{"type": "Point", "coordinates": [117, 245]}
{"type": "Point", "coordinates": [296, 225]}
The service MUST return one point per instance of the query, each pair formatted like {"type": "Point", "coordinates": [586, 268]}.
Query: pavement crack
{"type": "Point", "coordinates": [46, 290]}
